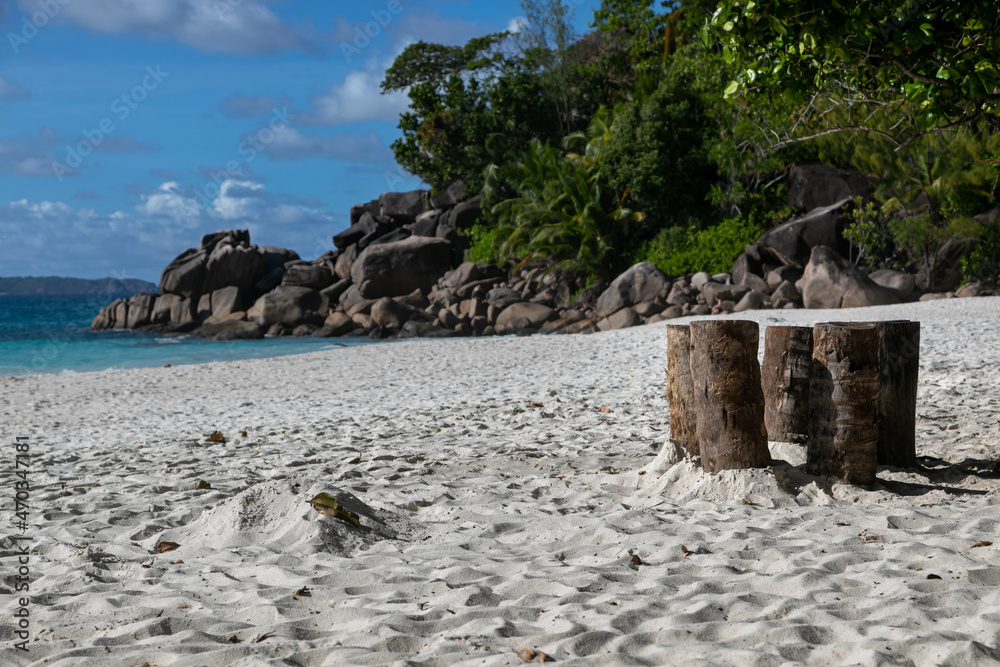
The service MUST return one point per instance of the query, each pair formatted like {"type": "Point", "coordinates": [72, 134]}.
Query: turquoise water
{"type": "Point", "coordinates": [51, 334]}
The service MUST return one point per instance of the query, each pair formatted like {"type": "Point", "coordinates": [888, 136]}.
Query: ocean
{"type": "Point", "coordinates": [51, 334]}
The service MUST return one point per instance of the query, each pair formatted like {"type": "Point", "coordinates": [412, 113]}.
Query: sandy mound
{"type": "Point", "coordinates": [277, 515]}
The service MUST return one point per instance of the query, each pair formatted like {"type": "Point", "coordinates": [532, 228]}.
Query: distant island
{"type": "Point", "coordinates": [52, 285]}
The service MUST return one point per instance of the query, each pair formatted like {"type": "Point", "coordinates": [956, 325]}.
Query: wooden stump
{"type": "Point", "coordinates": [844, 403]}
{"type": "Point", "coordinates": [899, 365]}
{"type": "Point", "coordinates": [785, 375]}
{"type": "Point", "coordinates": [680, 389]}
{"type": "Point", "coordinates": [728, 397]}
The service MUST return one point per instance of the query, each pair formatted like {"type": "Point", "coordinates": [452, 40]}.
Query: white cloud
{"type": "Point", "coordinates": [229, 26]}
{"type": "Point", "coordinates": [291, 144]}
{"type": "Point", "coordinates": [357, 99]}
{"type": "Point", "coordinates": [516, 24]}
{"type": "Point", "coordinates": [55, 238]}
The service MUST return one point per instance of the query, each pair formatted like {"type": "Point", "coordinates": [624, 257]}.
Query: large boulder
{"type": "Point", "coordinates": [641, 282]}
{"type": "Point", "coordinates": [818, 185]}
{"type": "Point", "coordinates": [902, 283]}
{"type": "Point", "coordinates": [396, 269]}
{"type": "Point", "coordinates": [389, 313]}
{"type": "Point", "coordinates": [368, 224]}
{"type": "Point", "coordinates": [229, 330]}
{"type": "Point", "coordinates": [946, 273]}
{"type": "Point", "coordinates": [289, 306]}
{"type": "Point", "coordinates": [229, 264]}
{"type": "Point", "coordinates": [622, 319]}
{"type": "Point", "coordinates": [523, 315]}
{"type": "Point", "coordinates": [185, 274]}
{"type": "Point", "coordinates": [403, 207]}
{"type": "Point", "coordinates": [313, 276]}
{"type": "Point", "coordinates": [714, 292]}
{"type": "Point", "coordinates": [140, 310]}
{"type": "Point", "coordinates": [792, 243]}
{"type": "Point", "coordinates": [449, 197]}
{"type": "Point", "coordinates": [469, 272]}
{"type": "Point", "coordinates": [163, 307]}
{"type": "Point", "coordinates": [359, 210]}
{"type": "Point", "coordinates": [426, 223]}
{"type": "Point", "coordinates": [830, 281]}
{"type": "Point", "coordinates": [345, 260]}
{"type": "Point", "coordinates": [464, 215]}
{"type": "Point", "coordinates": [225, 301]}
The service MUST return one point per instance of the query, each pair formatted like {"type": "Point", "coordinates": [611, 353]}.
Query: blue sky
{"type": "Point", "coordinates": [132, 127]}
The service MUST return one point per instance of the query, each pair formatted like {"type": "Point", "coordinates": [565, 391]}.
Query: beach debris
{"type": "Point", "coordinates": [176, 562]}
{"type": "Point", "coordinates": [164, 547]}
{"type": "Point", "coordinates": [635, 559]}
{"type": "Point", "coordinates": [981, 543]}
{"type": "Point", "coordinates": [535, 404]}
{"type": "Point", "coordinates": [933, 576]}
{"type": "Point", "coordinates": [302, 592]}
{"type": "Point", "coordinates": [604, 410]}
{"type": "Point", "coordinates": [700, 551]}
{"type": "Point", "coordinates": [216, 436]}
{"type": "Point", "coordinates": [870, 538]}
{"type": "Point", "coordinates": [166, 365]}
{"type": "Point", "coordinates": [327, 505]}
{"type": "Point", "coordinates": [243, 434]}
{"type": "Point", "coordinates": [233, 639]}
{"type": "Point", "coordinates": [202, 484]}
{"type": "Point", "coordinates": [356, 460]}
{"type": "Point", "coordinates": [261, 637]}
{"type": "Point", "coordinates": [529, 655]}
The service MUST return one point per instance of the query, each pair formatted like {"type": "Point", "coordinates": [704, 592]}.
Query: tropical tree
{"type": "Point", "coordinates": [926, 64]}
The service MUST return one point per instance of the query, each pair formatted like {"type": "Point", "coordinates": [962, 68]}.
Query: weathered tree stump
{"type": "Point", "coordinates": [728, 397]}
{"type": "Point", "coordinates": [844, 402]}
{"type": "Point", "coordinates": [680, 389]}
{"type": "Point", "coordinates": [899, 365]}
{"type": "Point", "coordinates": [785, 375]}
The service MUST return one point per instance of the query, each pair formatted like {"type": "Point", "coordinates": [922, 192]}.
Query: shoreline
{"type": "Point", "coordinates": [514, 526]}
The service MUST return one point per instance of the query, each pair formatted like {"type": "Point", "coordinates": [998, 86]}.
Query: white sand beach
{"type": "Point", "coordinates": [489, 525]}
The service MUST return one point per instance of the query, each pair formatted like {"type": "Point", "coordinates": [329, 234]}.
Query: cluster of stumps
{"type": "Point", "coordinates": [847, 391]}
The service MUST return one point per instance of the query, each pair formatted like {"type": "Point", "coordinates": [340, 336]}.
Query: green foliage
{"type": "Point", "coordinates": [657, 156]}
{"type": "Point", "coordinates": [487, 242]}
{"type": "Point", "coordinates": [921, 236]}
{"type": "Point", "coordinates": [869, 235]}
{"type": "Point", "coordinates": [983, 263]}
{"type": "Point", "coordinates": [939, 55]}
{"type": "Point", "coordinates": [469, 106]}
{"type": "Point", "coordinates": [677, 251]}
{"type": "Point", "coordinates": [559, 207]}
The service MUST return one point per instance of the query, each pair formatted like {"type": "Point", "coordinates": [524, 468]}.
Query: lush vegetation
{"type": "Point", "coordinates": [667, 132]}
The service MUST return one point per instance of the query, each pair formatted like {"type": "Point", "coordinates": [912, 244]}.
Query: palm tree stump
{"type": "Point", "coordinates": [844, 402]}
{"type": "Point", "coordinates": [899, 365]}
{"type": "Point", "coordinates": [785, 375]}
{"type": "Point", "coordinates": [680, 389]}
{"type": "Point", "coordinates": [728, 398]}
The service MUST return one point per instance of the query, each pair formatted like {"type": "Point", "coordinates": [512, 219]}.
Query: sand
{"type": "Point", "coordinates": [513, 493]}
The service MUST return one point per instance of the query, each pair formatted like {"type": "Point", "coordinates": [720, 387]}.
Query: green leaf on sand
{"type": "Point", "coordinates": [327, 505]}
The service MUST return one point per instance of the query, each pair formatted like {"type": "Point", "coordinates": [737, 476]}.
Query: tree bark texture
{"type": "Point", "coordinates": [727, 393]}
{"type": "Point", "coordinates": [844, 403]}
{"type": "Point", "coordinates": [899, 365]}
{"type": "Point", "coordinates": [785, 375]}
{"type": "Point", "coordinates": [680, 389]}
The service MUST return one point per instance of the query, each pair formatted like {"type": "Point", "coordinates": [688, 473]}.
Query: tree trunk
{"type": "Point", "coordinates": [680, 389]}
{"type": "Point", "coordinates": [727, 394]}
{"type": "Point", "coordinates": [785, 375]}
{"type": "Point", "coordinates": [844, 403]}
{"type": "Point", "coordinates": [899, 365]}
